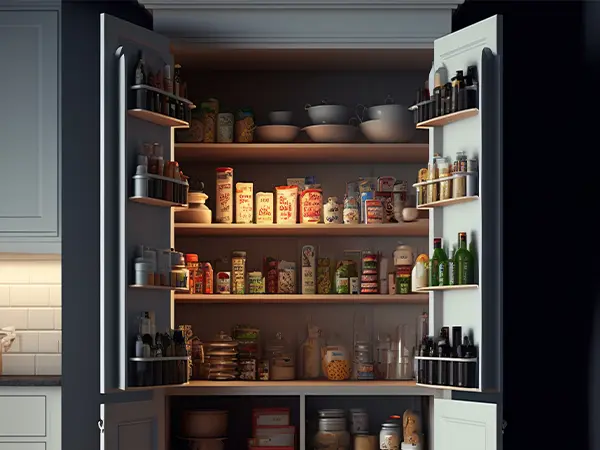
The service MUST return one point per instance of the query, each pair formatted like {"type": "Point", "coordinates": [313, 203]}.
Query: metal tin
{"type": "Point", "coordinates": [256, 284]}
{"type": "Point", "coordinates": [374, 210]}
{"type": "Point", "coordinates": [386, 184]}
{"type": "Point", "coordinates": [311, 201]}
{"type": "Point", "coordinates": [224, 282]}
{"type": "Point", "coordinates": [264, 207]}
{"type": "Point", "coordinates": [244, 202]}
{"type": "Point", "coordinates": [238, 270]}
{"type": "Point", "coordinates": [225, 123]}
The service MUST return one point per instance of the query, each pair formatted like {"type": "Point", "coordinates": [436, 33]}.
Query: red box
{"type": "Point", "coordinates": [270, 417]}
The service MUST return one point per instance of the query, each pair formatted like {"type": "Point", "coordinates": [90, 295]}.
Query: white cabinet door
{"type": "Point", "coordinates": [29, 132]}
{"type": "Point", "coordinates": [477, 311]}
{"type": "Point", "coordinates": [459, 425]}
{"type": "Point", "coordinates": [128, 419]}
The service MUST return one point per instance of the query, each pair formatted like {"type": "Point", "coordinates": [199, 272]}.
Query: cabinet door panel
{"type": "Point", "coordinates": [29, 127]}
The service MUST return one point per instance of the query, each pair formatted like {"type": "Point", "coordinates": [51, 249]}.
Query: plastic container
{"type": "Point", "coordinates": [336, 361]}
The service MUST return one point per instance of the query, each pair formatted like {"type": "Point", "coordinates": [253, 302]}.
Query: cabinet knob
{"type": "Point", "coordinates": [101, 425]}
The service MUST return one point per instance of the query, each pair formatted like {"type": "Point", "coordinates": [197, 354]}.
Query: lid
{"type": "Point", "coordinates": [197, 197]}
{"type": "Point", "coordinates": [331, 413]}
{"type": "Point", "coordinates": [332, 424]}
{"type": "Point", "coordinates": [238, 254]}
{"type": "Point", "coordinates": [224, 169]}
{"type": "Point", "coordinates": [281, 188]}
{"type": "Point", "coordinates": [390, 425]}
{"type": "Point", "coordinates": [357, 410]}
{"type": "Point", "coordinates": [191, 257]}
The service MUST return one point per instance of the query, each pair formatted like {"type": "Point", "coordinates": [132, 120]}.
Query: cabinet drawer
{"type": "Point", "coordinates": [22, 446]}
{"type": "Point", "coordinates": [22, 416]}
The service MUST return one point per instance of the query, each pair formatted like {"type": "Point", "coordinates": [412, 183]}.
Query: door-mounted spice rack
{"type": "Point", "coordinates": [159, 371]}
{"type": "Point", "coordinates": [161, 107]}
{"type": "Point", "coordinates": [471, 178]}
{"type": "Point", "coordinates": [159, 190]}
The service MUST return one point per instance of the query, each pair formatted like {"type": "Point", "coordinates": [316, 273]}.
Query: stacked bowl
{"type": "Point", "coordinates": [331, 124]}
{"type": "Point", "coordinates": [281, 129]}
{"type": "Point", "coordinates": [222, 357]}
{"type": "Point", "coordinates": [388, 123]}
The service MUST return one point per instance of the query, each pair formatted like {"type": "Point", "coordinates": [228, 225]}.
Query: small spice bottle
{"type": "Point", "coordinates": [196, 275]}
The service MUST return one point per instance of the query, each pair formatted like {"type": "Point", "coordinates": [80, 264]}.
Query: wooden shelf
{"type": "Point", "coordinates": [158, 119]}
{"type": "Point", "coordinates": [157, 288]}
{"type": "Point", "coordinates": [303, 153]}
{"type": "Point", "coordinates": [299, 387]}
{"type": "Point", "coordinates": [155, 202]}
{"type": "Point", "coordinates": [448, 388]}
{"type": "Point", "coordinates": [302, 299]}
{"type": "Point", "coordinates": [448, 202]}
{"type": "Point", "coordinates": [449, 288]}
{"type": "Point", "coordinates": [448, 118]}
{"type": "Point", "coordinates": [419, 227]}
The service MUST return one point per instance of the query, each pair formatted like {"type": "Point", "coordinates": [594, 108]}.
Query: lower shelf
{"type": "Point", "coordinates": [448, 288]}
{"type": "Point", "coordinates": [448, 388]}
{"type": "Point", "coordinates": [300, 387]}
{"type": "Point", "coordinates": [410, 299]}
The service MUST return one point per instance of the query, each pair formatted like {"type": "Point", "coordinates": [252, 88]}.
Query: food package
{"type": "Point", "coordinates": [336, 364]}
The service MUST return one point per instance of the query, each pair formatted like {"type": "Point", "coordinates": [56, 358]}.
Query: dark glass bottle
{"type": "Point", "coordinates": [458, 85]}
{"type": "Point", "coordinates": [455, 343]}
{"type": "Point", "coordinates": [443, 345]}
{"type": "Point", "coordinates": [422, 364]}
{"type": "Point", "coordinates": [448, 98]}
{"type": "Point", "coordinates": [467, 370]}
{"type": "Point", "coordinates": [464, 261]}
{"type": "Point", "coordinates": [140, 78]}
{"type": "Point", "coordinates": [471, 87]}
{"type": "Point", "coordinates": [432, 364]}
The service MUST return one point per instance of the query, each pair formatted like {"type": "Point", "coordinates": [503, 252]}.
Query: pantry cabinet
{"type": "Point", "coordinates": [143, 419]}
{"type": "Point", "coordinates": [30, 132]}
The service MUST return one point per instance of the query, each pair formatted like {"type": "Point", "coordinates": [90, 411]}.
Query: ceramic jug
{"type": "Point", "coordinates": [331, 211]}
{"type": "Point", "coordinates": [350, 210]}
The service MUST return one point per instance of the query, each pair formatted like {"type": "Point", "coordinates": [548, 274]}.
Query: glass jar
{"type": "Point", "coordinates": [310, 352]}
{"type": "Point", "coordinates": [336, 361]}
{"type": "Point", "coordinates": [389, 436]}
{"type": "Point", "coordinates": [332, 434]}
{"type": "Point", "coordinates": [282, 365]}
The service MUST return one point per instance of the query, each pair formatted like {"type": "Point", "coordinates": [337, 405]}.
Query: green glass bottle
{"type": "Point", "coordinates": [438, 257]}
{"type": "Point", "coordinates": [464, 263]}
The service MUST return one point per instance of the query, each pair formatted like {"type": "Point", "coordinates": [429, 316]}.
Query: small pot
{"type": "Point", "coordinates": [328, 114]}
{"type": "Point", "coordinates": [204, 424]}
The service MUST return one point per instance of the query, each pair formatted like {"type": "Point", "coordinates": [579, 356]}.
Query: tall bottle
{"type": "Point", "coordinates": [464, 262]}
{"type": "Point", "coordinates": [444, 272]}
{"type": "Point", "coordinates": [439, 255]}
{"type": "Point", "coordinates": [140, 78]}
{"type": "Point", "coordinates": [452, 267]}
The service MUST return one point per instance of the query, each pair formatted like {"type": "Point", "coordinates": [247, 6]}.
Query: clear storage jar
{"type": "Point", "coordinates": [332, 433]}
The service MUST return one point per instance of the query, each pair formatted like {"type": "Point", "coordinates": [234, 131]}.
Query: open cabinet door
{"type": "Point", "coordinates": [127, 419]}
{"type": "Point", "coordinates": [459, 425]}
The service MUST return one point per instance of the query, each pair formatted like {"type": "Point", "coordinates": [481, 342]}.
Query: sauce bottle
{"type": "Point", "coordinates": [443, 345]}
{"type": "Point", "coordinates": [458, 85]}
{"type": "Point", "coordinates": [439, 80]}
{"type": "Point", "coordinates": [471, 87]}
{"type": "Point", "coordinates": [447, 98]}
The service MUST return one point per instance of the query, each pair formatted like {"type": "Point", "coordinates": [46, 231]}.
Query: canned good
{"type": "Point", "coordinates": [263, 370]}
{"type": "Point", "coordinates": [225, 127]}
{"type": "Point", "coordinates": [208, 278]}
{"type": "Point", "coordinates": [238, 267]}
{"type": "Point", "coordinates": [224, 212]}
{"type": "Point", "coordinates": [224, 282]}
{"type": "Point", "coordinates": [374, 210]}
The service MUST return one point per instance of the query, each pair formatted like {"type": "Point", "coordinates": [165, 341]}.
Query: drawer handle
{"type": "Point", "coordinates": [101, 425]}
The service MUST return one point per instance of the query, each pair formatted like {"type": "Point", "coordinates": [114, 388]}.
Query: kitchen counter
{"type": "Point", "coordinates": [30, 380]}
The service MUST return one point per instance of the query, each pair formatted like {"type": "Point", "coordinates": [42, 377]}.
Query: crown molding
{"type": "Point", "coordinates": [299, 4]}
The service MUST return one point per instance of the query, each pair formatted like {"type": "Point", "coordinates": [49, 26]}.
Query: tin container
{"type": "Point", "coordinates": [238, 269]}
{"type": "Point", "coordinates": [359, 421]}
{"type": "Point", "coordinates": [374, 210]}
{"type": "Point", "coordinates": [386, 200]}
{"type": "Point", "coordinates": [264, 207]}
{"type": "Point", "coordinates": [223, 282]}
{"type": "Point", "coordinates": [224, 212]}
{"type": "Point", "coordinates": [309, 270]}
{"type": "Point", "coordinates": [286, 204]}
{"type": "Point", "coordinates": [244, 202]}
{"type": "Point", "coordinates": [386, 184]}
{"type": "Point", "coordinates": [256, 283]}
{"type": "Point", "coordinates": [208, 278]}
{"type": "Point", "coordinates": [286, 279]}
{"type": "Point", "coordinates": [310, 205]}
{"type": "Point", "coordinates": [225, 124]}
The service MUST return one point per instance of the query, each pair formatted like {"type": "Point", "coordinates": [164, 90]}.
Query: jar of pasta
{"type": "Point", "coordinates": [244, 126]}
{"type": "Point", "coordinates": [336, 361]}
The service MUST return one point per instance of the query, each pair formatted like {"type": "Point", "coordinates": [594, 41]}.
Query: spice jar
{"type": "Point", "coordinates": [195, 273]}
{"type": "Point", "coordinates": [332, 432]}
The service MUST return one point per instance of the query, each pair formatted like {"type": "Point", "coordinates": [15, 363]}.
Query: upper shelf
{"type": "Point", "coordinates": [303, 153]}
{"type": "Point", "coordinates": [418, 228]}
{"type": "Point", "coordinates": [158, 119]}
{"type": "Point", "coordinates": [448, 118]}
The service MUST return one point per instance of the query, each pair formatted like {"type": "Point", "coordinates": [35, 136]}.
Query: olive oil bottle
{"type": "Point", "coordinates": [438, 257]}
{"type": "Point", "coordinates": [464, 262]}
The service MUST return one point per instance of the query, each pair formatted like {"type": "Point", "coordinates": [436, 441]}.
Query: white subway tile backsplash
{"type": "Point", "coordinates": [48, 364]}
{"type": "Point", "coordinates": [41, 319]}
{"type": "Point", "coordinates": [56, 295]}
{"type": "Point", "coordinates": [16, 317]}
{"type": "Point", "coordinates": [30, 300]}
{"type": "Point", "coordinates": [29, 295]}
{"type": "Point", "coordinates": [15, 364]}
{"type": "Point", "coordinates": [50, 341]}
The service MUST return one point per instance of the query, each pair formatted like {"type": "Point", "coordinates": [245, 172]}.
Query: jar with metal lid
{"type": "Point", "coordinates": [282, 365]}
{"type": "Point", "coordinates": [332, 434]}
{"type": "Point", "coordinates": [389, 436]}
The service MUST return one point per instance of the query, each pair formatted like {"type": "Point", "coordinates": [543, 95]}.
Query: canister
{"type": "Point", "coordinates": [389, 436]}
{"type": "Point", "coordinates": [374, 210]}
{"type": "Point", "coordinates": [359, 421]}
{"type": "Point", "coordinates": [224, 212]}
{"type": "Point", "coordinates": [224, 282]}
{"type": "Point", "coordinates": [210, 110]}
{"type": "Point", "coordinates": [225, 127]}
{"type": "Point", "coordinates": [286, 204]}
{"type": "Point", "coordinates": [256, 283]}
{"type": "Point", "coordinates": [238, 269]}
{"type": "Point", "coordinates": [264, 207]}
{"type": "Point", "coordinates": [310, 205]}
{"type": "Point", "coordinates": [244, 202]}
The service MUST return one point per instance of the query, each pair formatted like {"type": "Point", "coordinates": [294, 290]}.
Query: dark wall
{"type": "Point", "coordinates": [81, 213]}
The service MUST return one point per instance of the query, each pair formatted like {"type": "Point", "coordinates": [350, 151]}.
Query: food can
{"type": "Point", "coordinates": [309, 270]}
{"type": "Point", "coordinates": [224, 282]}
{"type": "Point", "coordinates": [244, 202]}
{"type": "Point", "coordinates": [224, 213]}
{"type": "Point", "coordinates": [364, 196]}
{"type": "Point", "coordinates": [310, 205]}
{"type": "Point", "coordinates": [286, 204]}
{"type": "Point", "coordinates": [374, 210]}
{"type": "Point", "coordinates": [256, 283]}
{"type": "Point", "coordinates": [208, 278]}
{"type": "Point", "coordinates": [354, 285]}
{"type": "Point", "coordinates": [388, 205]}
{"type": "Point", "coordinates": [403, 279]}
{"type": "Point", "coordinates": [225, 127]}
{"type": "Point", "coordinates": [238, 270]}
{"type": "Point", "coordinates": [264, 207]}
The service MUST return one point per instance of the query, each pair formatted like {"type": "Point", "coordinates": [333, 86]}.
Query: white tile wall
{"type": "Point", "coordinates": [30, 300]}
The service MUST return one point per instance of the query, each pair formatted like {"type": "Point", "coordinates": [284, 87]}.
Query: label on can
{"type": "Point", "coordinates": [256, 283]}
{"type": "Point", "coordinates": [311, 205]}
{"type": "Point", "coordinates": [244, 202]}
{"type": "Point", "coordinates": [224, 282]}
{"type": "Point", "coordinates": [388, 205]}
{"type": "Point", "coordinates": [403, 282]}
{"type": "Point", "coordinates": [264, 207]}
{"type": "Point", "coordinates": [238, 269]}
{"type": "Point", "coordinates": [199, 281]}
{"type": "Point", "coordinates": [287, 204]}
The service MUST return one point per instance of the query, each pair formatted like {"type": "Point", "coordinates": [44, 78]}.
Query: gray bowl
{"type": "Point", "coordinates": [280, 117]}
{"type": "Point", "coordinates": [328, 114]}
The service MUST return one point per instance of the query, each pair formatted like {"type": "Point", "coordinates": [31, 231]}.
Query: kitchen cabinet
{"type": "Point", "coordinates": [29, 132]}
{"type": "Point", "coordinates": [30, 418]}
{"type": "Point", "coordinates": [128, 419]}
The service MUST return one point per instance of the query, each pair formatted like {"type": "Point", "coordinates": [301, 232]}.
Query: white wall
{"type": "Point", "coordinates": [30, 300]}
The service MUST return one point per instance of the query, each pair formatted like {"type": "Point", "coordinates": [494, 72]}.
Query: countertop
{"type": "Point", "coordinates": [30, 380]}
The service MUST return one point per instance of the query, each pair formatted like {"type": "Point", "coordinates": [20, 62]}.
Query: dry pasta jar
{"type": "Point", "coordinates": [244, 126]}
{"type": "Point", "coordinates": [336, 361]}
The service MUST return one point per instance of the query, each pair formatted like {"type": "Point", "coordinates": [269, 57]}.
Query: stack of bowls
{"type": "Point", "coordinates": [331, 124]}
{"type": "Point", "coordinates": [388, 123]}
{"type": "Point", "coordinates": [204, 429]}
{"type": "Point", "coordinates": [281, 128]}
{"type": "Point", "coordinates": [221, 355]}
